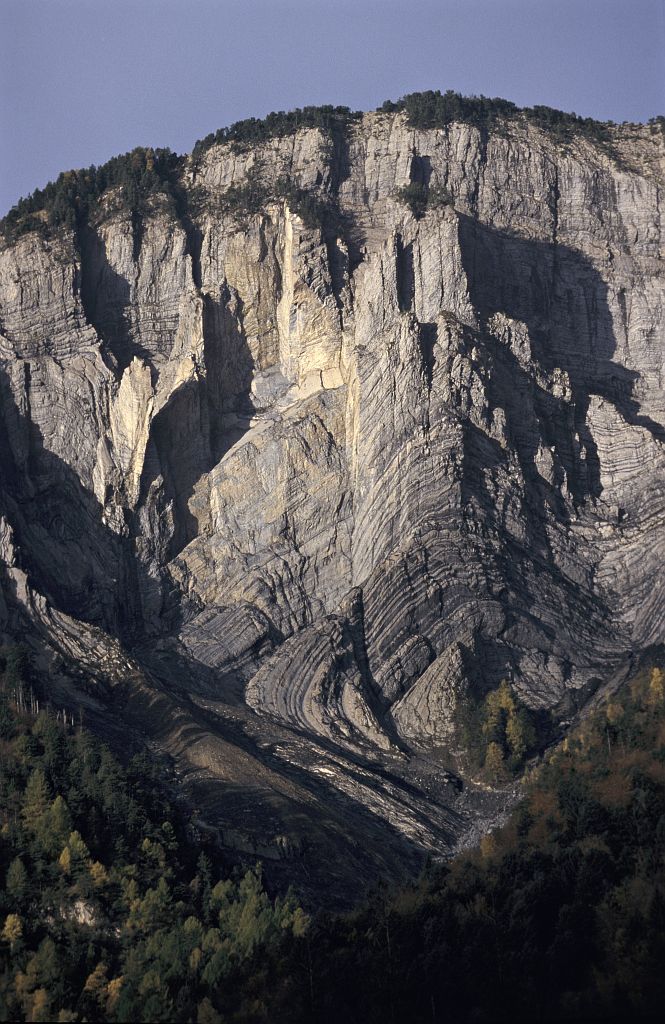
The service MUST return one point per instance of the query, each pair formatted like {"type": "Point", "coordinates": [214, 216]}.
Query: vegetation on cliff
{"type": "Point", "coordinates": [499, 733]}
{"type": "Point", "coordinates": [315, 207]}
{"type": "Point", "coordinates": [277, 124]}
{"type": "Point", "coordinates": [420, 197]}
{"type": "Point", "coordinates": [72, 197]}
{"type": "Point", "coordinates": [143, 173]}
{"type": "Point", "coordinates": [434, 109]}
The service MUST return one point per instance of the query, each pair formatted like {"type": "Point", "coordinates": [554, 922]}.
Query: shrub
{"type": "Point", "coordinates": [419, 197]}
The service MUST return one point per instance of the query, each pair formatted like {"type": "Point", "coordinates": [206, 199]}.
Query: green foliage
{"type": "Point", "coordinates": [499, 734]}
{"type": "Point", "coordinates": [107, 909]}
{"type": "Point", "coordinates": [418, 197]}
{"type": "Point", "coordinates": [559, 916]}
{"type": "Point", "coordinates": [433, 109]}
{"type": "Point", "coordinates": [315, 208]}
{"type": "Point", "coordinates": [73, 197]}
{"type": "Point", "coordinates": [657, 124]}
{"type": "Point", "coordinates": [278, 124]}
{"type": "Point", "coordinates": [246, 200]}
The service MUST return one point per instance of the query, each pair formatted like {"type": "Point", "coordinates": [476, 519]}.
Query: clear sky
{"type": "Point", "coordinates": [83, 80]}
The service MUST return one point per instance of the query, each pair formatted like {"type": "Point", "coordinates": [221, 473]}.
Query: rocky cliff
{"type": "Point", "coordinates": [278, 494]}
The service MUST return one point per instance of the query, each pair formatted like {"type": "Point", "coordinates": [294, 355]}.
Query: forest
{"type": "Point", "coordinates": [434, 109]}
{"type": "Point", "coordinates": [71, 198]}
{"type": "Point", "coordinates": [111, 910]}
{"type": "Point", "coordinates": [278, 124]}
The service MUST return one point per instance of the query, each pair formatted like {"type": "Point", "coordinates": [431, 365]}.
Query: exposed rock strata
{"type": "Point", "coordinates": [340, 482]}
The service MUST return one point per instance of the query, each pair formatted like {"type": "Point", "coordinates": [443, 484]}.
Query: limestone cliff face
{"type": "Point", "coordinates": [314, 488]}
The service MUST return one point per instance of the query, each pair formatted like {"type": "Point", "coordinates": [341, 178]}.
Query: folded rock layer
{"type": "Point", "coordinates": [279, 495]}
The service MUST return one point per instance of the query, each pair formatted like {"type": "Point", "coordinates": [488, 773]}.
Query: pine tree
{"type": "Point", "coordinates": [54, 826]}
{"type": "Point", "coordinates": [495, 767]}
{"type": "Point", "coordinates": [519, 735]}
{"type": "Point", "coordinates": [36, 799]}
{"type": "Point", "coordinates": [17, 880]}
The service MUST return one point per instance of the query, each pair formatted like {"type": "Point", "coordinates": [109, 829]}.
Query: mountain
{"type": "Point", "coordinates": [312, 438]}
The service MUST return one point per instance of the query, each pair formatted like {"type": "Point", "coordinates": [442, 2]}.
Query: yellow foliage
{"type": "Point", "coordinates": [544, 807]}
{"type": "Point", "coordinates": [195, 958]}
{"type": "Point", "coordinates": [98, 874]}
{"type": "Point", "coordinates": [13, 929]}
{"type": "Point", "coordinates": [615, 790]}
{"type": "Point", "coordinates": [494, 765]}
{"type": "Point", "coordinates": [41, 1010]}
{"type": "Point", "coordinates": [212, 940]}
{"type": "Point", "coordinates": [22, 985]}
{"type": "Point", "coordinates": [300, 923]}
{"type": "Point", "coordinates": [97, 983]}
{"type": "Point", "coordinates": [191, 925]}
{"type": "Point", "coordinates": [488, 846]}
{"type": "Point", "coordinates": [497, 701]}
{"type": "Point", "coordinates": [112, 993]}
{"type": "Point", "coordinates": [150, 982]}
{"type": "Point", "coordinates": [207, 1014]}
{"type": "Point", "coordinates": [614, 713]}
{"type": "Point", "coordinates": [65, 860]}
{"type": "Point", "coordinates": [656, 695]}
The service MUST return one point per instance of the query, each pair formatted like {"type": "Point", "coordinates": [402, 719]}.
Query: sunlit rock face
{"type": "Point", "coordinates": [278, 499]}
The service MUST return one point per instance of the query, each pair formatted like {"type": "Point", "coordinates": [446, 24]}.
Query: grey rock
{"type": "Point", "coordinates": [303, 493]}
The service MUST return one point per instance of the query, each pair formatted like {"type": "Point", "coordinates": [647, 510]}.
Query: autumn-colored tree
{"type": "Point", "coordinates": [495, 765]}
{"type": "Point", "coordinates": [36, 799]}
{"type": "Point", "coordinates": [12, 930]}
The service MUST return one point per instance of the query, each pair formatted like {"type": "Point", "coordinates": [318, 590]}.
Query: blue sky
{"type": "Point", "coordinates": [82, 80]}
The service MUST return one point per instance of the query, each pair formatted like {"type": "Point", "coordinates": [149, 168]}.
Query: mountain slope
{"type": "Point", "coordinates": [313, 437]}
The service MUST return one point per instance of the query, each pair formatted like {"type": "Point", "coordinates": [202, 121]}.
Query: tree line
{"type": "Point", "coordinates": [71, 199]}
{"type": "Point", "coordinates": [146, 172]}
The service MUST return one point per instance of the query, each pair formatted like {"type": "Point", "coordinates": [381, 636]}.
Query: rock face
{"type": "Point", "coordinates": [278, 499]}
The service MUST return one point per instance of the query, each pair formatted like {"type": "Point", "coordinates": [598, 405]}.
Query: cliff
{"type": "Point", "coordinates": [280, 490]}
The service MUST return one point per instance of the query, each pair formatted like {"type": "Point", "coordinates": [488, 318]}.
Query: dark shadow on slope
{"type": "Point", "coordinates": [406, 283]}
{"type": "Point", "coordinates": [562, 299]}
{"type": "Point", "coordinates": [201, 420]}
{"type": "Point", "coordinates": [78, 563]}
{"type": "Point", "coordinates": [346, 226]}
{"type": "Point", "coordinates": [106, 297]}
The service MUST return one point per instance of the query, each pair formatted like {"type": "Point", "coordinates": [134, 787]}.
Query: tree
{"type": "Point", "coordinates": [12, 931]}
{"type": "Point", "coordinates": [656, 697]}
{"type": "Point", "coordinates": [41, 1006]}
{"type": "Point", "coordinates": [17, 880]}
{"type": "Point", "coordinates": [36, 799]}
{"type": "Point", "coordinates": [495, 767]}
{"type": "Point", "coordinates": [206, 1013]}
{"type": "Point", "coordinates": [54, 826]}
{"type": "Point", "coordinates": [520, 735]}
